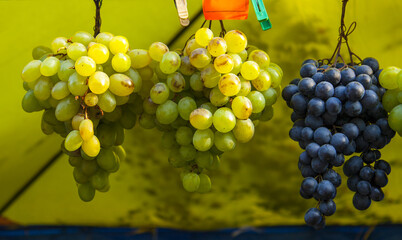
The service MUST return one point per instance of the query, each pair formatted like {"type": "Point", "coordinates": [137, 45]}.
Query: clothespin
{"type": "Point", "coordinates": [181, 6]}
{"type": "Point", "coordinates": [262, 14]}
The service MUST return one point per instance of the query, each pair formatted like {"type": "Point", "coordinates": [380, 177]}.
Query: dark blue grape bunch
{"type": "Point", "coordinates": [337, 111]}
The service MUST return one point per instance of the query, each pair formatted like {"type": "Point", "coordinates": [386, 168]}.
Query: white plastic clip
{"type": "Point", "coordinates": [181, 6]}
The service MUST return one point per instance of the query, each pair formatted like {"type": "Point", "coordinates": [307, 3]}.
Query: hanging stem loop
{"type": "Point", "coordinates": [344, 33]}
{"type": "Point", "coordinates": [98, 20]}
{"type": "Point", "coordinates": [223, 30]}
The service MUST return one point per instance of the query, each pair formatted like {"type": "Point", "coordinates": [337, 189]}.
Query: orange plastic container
{"type": "Point", "coordinates": [225, 9]}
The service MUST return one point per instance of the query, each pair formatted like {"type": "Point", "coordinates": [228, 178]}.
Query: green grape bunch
{"type": "Point", "coordinates": [207, 98]}
{"type": "Point", "coordinates": [88, 89]}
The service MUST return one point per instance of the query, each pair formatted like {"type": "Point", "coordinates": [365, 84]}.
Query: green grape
{"type": "Point", "coordinates": [136, 106]}
{"type": "Point", "coordinates": [205, 184]}
{"type": "Point", "coordinates": [209, 106]}
{"type": "Point", "coordinates": [91, 99]}
{"type": "Point", "coordinates": [260, 57]}
{"type": "Point", "coordinates": [242, 107]}
{"type": "Point", "coordinates": [107, 159]}
{"type": "Point", "coordinates": [395, 118]}
{"type": "Point", "coordinates": [76, 121]}
{"type": "Point", "coordinates": [139, 58]}
{"type": "Point", "coordinates": [243, 55]}
{"type": "Point", "coordinates": [170, 62]}
{"type": "Point", "coordinates": [107, 101]}
{"type": "Point", "coordinates": [186, 68]}
{"type": "Point", "coordinates": [217, 98]}
{"type": "Point", "coordinates": [270, 96]}
{"type": "Point", "coordinates": [195, 82]}
{"type": "Point", "coordinates": [267, 114]}
{"type": "Point", "coordinates": [86, 192]}
{"type": "Point", "coordinates": [258, 101]}
{"type": "Point", "coordinates": [121, 85]}
{"type": "Point", "coordinates": [191, 46]}
{"type": "Point", "coordinates": [100, 179]}
{"type": "Point", "coordinates": [86, 129]}
{"type": "Point", "coordinates": [91, 147]}
{"type": "Point", "coordinates": [159, 93]}
{"type": "Point", "coordinates": [113, 116]}
{"type": "Point", "coordinates": [175, 159]}
{"type": "Point", "coordinates": [76, 50]}
{"type": "Point", "coordinates": [43, 89]}
{"type": "Point", "coordinates": [149, 106]}
{"type": "Point", "coordinates": [224, 120]}
{"type": "Point", "coordinates": [191, 182]}
{"type": "Point", "coordinates": [245, 87]}
{"type": "Point", "coordinates": [66, 70]}
{"type": "Point", "coordinates": [390, 99]}
{"type": "Point", "coordinates": [204, 159]}
{"type": "Point", "coordinates": [210, 77]}
{"type": "Point", "coordinates": [60, 90]}
{"type": "Point", "coordinates": [31, 71]}
{"type": "Point", "coordinates": [186, 106]}
{"type": "Point", "coordinates": [39, 51]}
{"type": "Point", "coordinates": [67, 108]}
{"type": "Point", "coordinates": [201, 118]}
{"type": "Point", "coordinates": [167, 112]}
{"type": "Point", "coordinates": [200, 58]}
{"type": "Point", "coordinates": [157, 50]}
{"type": "Point", "coordinates": [118, 44]}
{"type": "Point", "coordinates": [229, 84]}
{"type": "Point", "coordinates": [107, 135]}
{"type": "Point", "coordinates": [159, 73]}
{"type": "Point", "coordinates": [75, 161]}
{"type": "Point", "coordinates": [203, 36]}
{"type": "Point", "coordinates": [79, 176]}
{"type": "Point", "coordinates": [176, 82]}
{"type": "Point", "coordinates": [236, 63]}
{"type": "Point", "coordinates": [84, 156]}
{"type": "Point", "coordinates": [99, 53]}
{"type": "Point", "coordinates": [82, 37]}
{"type": "Point", "coordinates": [99, 82]}
{"type": "Point", "coordinates": [388, 77]}
{"type": "Point", "coordinates": [85, 66]}
{"type": "Point", "coordinates": [188, 152]}
{"type": "Point", "coordinates": [25, 85]}
{"type": "Point", "coordinates": [250, 70]}
{"type": "Point", "coordinates": [147, 121]}
{"type": "Point", "coordinates": [120, 152]}
{"type": "Point", "coordinates": [73, 141]}
{"type": "Point", "coordinates": [184, 136]}
{"type": "Point", "coordinates": [104, 38]}
{"type": "Point", "coordinates": [105, 189]}
{"type": "Point", "coordinates": [225, 141]}
{"type": "Point", "coordinates": [276, 77]}
{"type": "Point", "coordinates": [59, 45]}
{"type": "Point", "coordinates": [217, 46]}
{"type": "Point", "coordinates": [263, 81]}
{"type": "Point", "coordinates": [236, 41]}
{"type": "Point", "coordinates": [121, 62]}
{"type": "Point", "coordinates": [146, 73]}
{"type": "Point", "coordinates": [128, 119]}
{"type": "Point", "coordinates": [224, 63]}
{"type": "Point", "coordinates": [203, 139]}
{"type": "Point", "coordinates": [89, 167]}
{"type": "Point", "coordinates": [77, 84]}
{"type": "Point", "coordinates": [136, 77]}
{"type": "Point", "coordinates": [216, 163]}
{"type": "Point", "coordinates": [244, 130]}
{"type": "Point", "coordinates": [46, 128]}
{"type": "Point", "coordinates": [50, 66]}
{"type": "Point", "coordinates": [277, 68]}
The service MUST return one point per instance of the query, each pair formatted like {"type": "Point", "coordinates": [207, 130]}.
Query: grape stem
{"type": "Point", "coordinates": [343, 38]}
{"type": "Point", "coordinates": [98, 20]}
{"type": "Point", "coordinates": [223, 30]}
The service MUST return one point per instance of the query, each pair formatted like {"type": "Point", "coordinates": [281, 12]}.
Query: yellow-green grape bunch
{"type": "Point", "coordinates": [89, 91]}
{"type": "Point", "coordinates": [207, 98]}
{"type": "Point", "coordinates": [390, 78]}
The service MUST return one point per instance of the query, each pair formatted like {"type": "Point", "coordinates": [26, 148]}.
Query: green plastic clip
{"type": "Point", "coordinates": [262, 14]}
